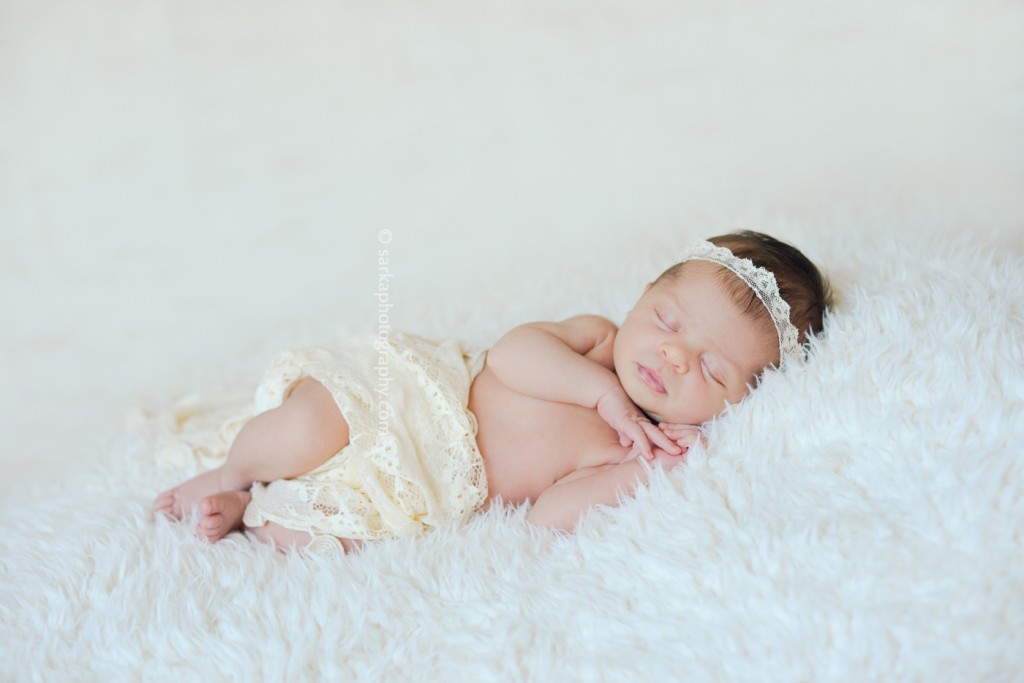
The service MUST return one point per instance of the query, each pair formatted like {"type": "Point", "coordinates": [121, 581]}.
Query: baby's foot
{"type": "Point", "coordinates": [222, 514]}
{"type": "Point", "coordinates": [179, 500]}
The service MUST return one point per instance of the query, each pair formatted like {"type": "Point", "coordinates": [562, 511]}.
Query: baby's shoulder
{"type": "Point", "coordinates": [592, 325]}
{"type": "Point", "coordinates": [581, 333]}
{"type": "Point", "coordinates": [599, 333]}
{"type": "Point", "coordinates": [602, 331]}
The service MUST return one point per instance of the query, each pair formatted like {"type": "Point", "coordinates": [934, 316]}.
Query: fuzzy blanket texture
{"type": "Point", "coordinates": [860, 514]}
{"type": "Point", "coordinates": [188, 188]}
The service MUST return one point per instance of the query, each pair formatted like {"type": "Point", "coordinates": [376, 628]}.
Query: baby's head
{"type": "Point", "coordinates": [707, 327]}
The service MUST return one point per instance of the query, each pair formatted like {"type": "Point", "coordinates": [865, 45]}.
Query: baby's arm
{"type": "Point", "coordinates": [557, 361]}
{"type": "Point", "coordinates": [570, 362]}
{"type": "Point", "coordinates": [562, 505]}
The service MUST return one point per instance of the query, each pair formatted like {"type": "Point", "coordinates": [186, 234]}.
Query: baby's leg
{"type": "Point", "coordinates": [292, 439]}
{"type": "Point", "coordinates": [222, 513]}
{"type": "Point", "coordinates": [301, 434]}
{"type": "Point", "coordinates": [286, 539]}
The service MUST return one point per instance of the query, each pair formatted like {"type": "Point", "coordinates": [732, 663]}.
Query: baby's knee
{"type": "Point", "coordinates": [304, 388]}
{"type": "Point", "coordinates": [311, 413]}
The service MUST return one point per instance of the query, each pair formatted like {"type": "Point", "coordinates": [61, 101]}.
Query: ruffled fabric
{"type": "Point", "coordinates": [412, 461]}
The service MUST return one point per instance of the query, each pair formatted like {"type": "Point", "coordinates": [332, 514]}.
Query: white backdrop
{"type": "Point", "coordinates": [185, 187]}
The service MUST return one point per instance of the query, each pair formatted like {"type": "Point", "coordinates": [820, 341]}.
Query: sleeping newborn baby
{"type": "Point", "coordinates": [391, 434]}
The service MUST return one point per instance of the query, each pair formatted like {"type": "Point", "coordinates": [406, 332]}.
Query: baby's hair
{"type": "Point", "coordinates": [804, 288]}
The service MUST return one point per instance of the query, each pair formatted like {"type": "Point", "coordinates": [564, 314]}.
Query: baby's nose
{"type": "Point", "coordinates": [677, 357]}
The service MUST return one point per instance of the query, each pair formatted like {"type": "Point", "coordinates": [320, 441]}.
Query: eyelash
{"type": "Point", "coordinates": [664, 322]}
{"type": "Point", "coordinates": [709, 374]}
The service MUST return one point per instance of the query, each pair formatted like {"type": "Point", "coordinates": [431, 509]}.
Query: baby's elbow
{"type": "Point", "coordinates": [549, 514]}
{"type": "Point", "coordinates": [506, 350]}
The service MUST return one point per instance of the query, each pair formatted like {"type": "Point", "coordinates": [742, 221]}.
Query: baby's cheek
{"type": "Point", "coordinates": [631, 390]}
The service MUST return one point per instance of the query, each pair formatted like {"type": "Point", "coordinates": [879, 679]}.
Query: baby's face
{"type": "Point", "coordinates": [686, 350]}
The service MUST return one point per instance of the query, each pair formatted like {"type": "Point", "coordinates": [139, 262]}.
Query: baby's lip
{"type": "Point", "coordinates": [651, 379]}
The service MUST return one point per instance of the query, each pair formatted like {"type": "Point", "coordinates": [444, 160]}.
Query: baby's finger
{"type": "Point", "coordinates": [688, 440]}
{"type": "Point", "coordinates": [640, 440]}
{"type": "Point", "coordinates": [676, 428]}
{"type": "Point", "coordinates": [683, 435]}
{"type": "Point", "coordinates": [661, 439]}
{"type": "Point", "coordinates": [669, 459]}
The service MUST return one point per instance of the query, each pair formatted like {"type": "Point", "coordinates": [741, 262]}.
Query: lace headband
{"type": "Point", "coordinates": [765, 287]}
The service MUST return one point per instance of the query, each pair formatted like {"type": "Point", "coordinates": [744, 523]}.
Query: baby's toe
{"type": "Point", "coordinates": [208, 505]}
{"type": "Point", "coordinates": [164, 503]}
{"type": "Point", "coordinates": [210, 527]}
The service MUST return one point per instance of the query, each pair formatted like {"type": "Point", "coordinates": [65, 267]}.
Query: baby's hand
{"type": "Point", "coordinates": [633, 428]}
{"type": "Point", "coordinates": [668, 460]}
{"type": "Point", "coordinates": [684, 435]}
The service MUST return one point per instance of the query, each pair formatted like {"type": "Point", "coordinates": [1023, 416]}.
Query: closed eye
{"type": "Point", "coordinates": [667, 325]}
{"type": "Point", "coordinates": [709, 373]}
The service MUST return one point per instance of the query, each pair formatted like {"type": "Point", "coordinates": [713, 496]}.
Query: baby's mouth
{"type": "Point", "coordinates": [651, 379]}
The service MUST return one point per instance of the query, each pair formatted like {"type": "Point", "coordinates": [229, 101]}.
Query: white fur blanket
{"type": "Point", "coordinates": [862, 514]}
{"type": "Point", "coordinates": [194, 186]}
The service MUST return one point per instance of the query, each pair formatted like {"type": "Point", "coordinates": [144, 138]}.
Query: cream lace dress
{"type": "Point", "coordinates": [412, 461]}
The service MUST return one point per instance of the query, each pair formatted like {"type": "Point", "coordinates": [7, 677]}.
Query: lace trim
{"type": "Point", "coordinates": [327, 547]}
{"type": "Point", "coordinates": [424, 471]}
{"type": "Point", "coordinates": [764, 285]}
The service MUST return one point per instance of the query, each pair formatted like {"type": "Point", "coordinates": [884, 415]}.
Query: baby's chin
{"type": "Point", "coordinates": [651, 415]}
{"type": "Point", "coordinates": [657, 417]}
{"type": "Point", "coordinates": [679, 419]}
